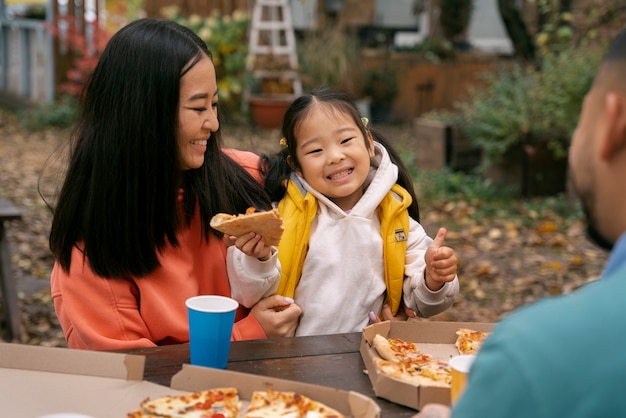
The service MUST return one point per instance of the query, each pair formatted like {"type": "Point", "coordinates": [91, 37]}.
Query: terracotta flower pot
{"type": "Point", "coordinates": [268, 112]}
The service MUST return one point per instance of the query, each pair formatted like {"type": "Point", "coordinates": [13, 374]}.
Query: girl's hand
{"type": "Point", "coordinates": [402, 315]}
{"type": "Point", "coordinates": [441, 262]}
{"type": "Point", "coordinates": [278, 315]}
{"type": "Point", "coordinates": [250, 244]}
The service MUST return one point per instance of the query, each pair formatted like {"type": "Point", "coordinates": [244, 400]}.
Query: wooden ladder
{"type": "Point", "coordinates": [272, 50]}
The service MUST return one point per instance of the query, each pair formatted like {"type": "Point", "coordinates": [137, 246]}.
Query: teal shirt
{"type": "Point", "coordinates": [560, 357]}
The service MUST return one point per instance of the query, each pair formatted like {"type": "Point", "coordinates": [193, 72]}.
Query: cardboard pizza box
{"type": "Point", "coordinates": [436, 338]}
{"type": "Point", "coordinates": [350, 403]}
{"type": "Point", "coordinates": [37, 381]}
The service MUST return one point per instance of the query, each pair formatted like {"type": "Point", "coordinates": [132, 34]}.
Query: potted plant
{"type": "Point", "coordinates": [454, 19]}
{"type": "Point", "coordinates": [381, 87]}
{"type": "Point", "coordinates": [272, 90]}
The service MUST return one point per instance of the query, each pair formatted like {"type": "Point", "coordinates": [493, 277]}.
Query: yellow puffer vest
{"type": "Point", "coordinates": [298, 209]}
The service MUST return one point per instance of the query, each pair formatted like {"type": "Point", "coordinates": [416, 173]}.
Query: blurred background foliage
{"type": "Point", "coordinates": [227, 38]}
{"type": "Point", "coordinates": [532, 99]}
{"type": "Point", "coordinates": [523, 104]}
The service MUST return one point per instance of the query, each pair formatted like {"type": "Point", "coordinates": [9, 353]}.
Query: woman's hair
{"type": "Point", "coordinates": [276, 168]}
{"type": "Point", "coordinates": [120, 193]}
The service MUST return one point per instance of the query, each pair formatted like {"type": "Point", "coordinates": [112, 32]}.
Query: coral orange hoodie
{"type": "Point", "coordinates": [107, 314]}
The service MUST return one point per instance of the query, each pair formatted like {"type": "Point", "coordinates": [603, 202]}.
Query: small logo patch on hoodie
{"type": "Point", "coordinates": [400, 235]}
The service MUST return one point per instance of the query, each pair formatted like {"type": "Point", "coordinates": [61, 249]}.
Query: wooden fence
{"type": "Point", "coordinates": [36, 54]}
{"type": "Point", "coordinates": [424, 85]}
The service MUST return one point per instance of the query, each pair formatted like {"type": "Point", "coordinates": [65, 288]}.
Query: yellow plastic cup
{"type": "Point", "coordinates": [459, 368]}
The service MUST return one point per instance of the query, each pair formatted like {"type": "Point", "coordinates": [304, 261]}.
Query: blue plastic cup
{"type": "Point", "coordinates": [211, 320]}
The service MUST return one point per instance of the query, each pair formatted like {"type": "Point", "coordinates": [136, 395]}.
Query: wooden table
{"type": "Point", "coordinates": [328, 360]}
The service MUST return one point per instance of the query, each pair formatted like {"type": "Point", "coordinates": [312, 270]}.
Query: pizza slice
{"type": "Point", "coordinates": [469, 341]}
{"type": "Point", "coordinates": [271, 403]}
{"type": "Point", "coordinates": [211, 403]}
{"type": "Point", "coordinates": [268, 224]}
{"type": "Point", "coordinates": [395, 349]}
{"type": "Point", "coordinates": [403, 360]}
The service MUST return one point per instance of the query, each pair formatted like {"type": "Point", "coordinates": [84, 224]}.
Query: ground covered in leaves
{"type": "Point", "coordinates": [511, 252]}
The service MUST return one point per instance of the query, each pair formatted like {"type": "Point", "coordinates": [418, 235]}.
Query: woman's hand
{"type": "Point", "coordinates": [278, 315]}
{"type": "Point", "coordinates": [251, 244]}
{"type": "Point", "coordinates": [441, 263]}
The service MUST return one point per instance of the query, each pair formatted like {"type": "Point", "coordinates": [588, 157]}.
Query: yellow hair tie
{"type": "Point", "coordinates": [283, 142]}
{"type": "Point", "coordinates": [365, 121]}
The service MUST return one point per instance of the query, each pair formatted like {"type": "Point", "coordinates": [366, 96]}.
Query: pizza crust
{"type": "Point", "coordinates": [268, 224]}
{"type": "Point", "coordinates": [140, 413]}
{"type": "Point", "coordinates": [395, 349]}
{"type": "Point", "coordinates": [270, 404]}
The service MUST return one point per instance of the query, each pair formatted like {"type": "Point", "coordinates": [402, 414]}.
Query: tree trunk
{"type": "Point", "coordinates": [516, 29]}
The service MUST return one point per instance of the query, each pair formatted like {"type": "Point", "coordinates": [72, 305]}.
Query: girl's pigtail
{"type": "Point", "coordinates": [404, 177]}
{"type": "Point", "coordinates": [276, 170]}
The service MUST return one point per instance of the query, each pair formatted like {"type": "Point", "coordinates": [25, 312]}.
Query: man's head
{"type": "Point", "coordinates": [597, 155]}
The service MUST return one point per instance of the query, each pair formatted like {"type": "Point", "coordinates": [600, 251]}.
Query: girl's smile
{"type": "Point", "coordinates": [341, 175]}
{"type": "Point", "coordinates": [333, 155]}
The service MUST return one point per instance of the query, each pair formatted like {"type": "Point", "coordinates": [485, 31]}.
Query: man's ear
{"type": "Point", "coordinates": [614, 138]}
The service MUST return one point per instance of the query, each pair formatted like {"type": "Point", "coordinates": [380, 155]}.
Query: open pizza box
{"type": "Point", "coordinates": [37, 381]}
{"type": "Point", "coordinates": [436, 338]}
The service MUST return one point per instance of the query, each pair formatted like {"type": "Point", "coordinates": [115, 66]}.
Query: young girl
{"type": "Point", "coordinates": [352, 242]}
{"type": "Point", "coordinates": [130, 233]}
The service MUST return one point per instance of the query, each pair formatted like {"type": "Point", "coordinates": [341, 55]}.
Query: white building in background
{"type": "Point", "coordinates": [486, 31]}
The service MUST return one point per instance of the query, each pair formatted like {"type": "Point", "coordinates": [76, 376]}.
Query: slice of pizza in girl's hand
{"type": "Point", "coordinates": [225, 403]}
{"type": "Point", "coordinates": [268, 224]}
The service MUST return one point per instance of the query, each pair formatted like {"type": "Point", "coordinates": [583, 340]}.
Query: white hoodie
{"type": "Point", "coordinates": [343, 275]}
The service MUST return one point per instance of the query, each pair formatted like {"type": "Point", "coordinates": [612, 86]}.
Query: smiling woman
{"type": "Point", "coordinates": [131, 231]}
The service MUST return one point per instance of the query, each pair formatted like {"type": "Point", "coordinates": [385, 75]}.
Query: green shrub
{"type": "Point", "coordinates": [61, 114]}
{"type": "Point", "coordinates": [525, 106]}
{"type": "Point", "coordinates": [449, 185]}
{"type": "Point", "coordinates": [454, 17]}
{"type": "Point", "coordinates": [561, 85]}
{"type": "Point", "coordinates": [381, 84]}
{"type": "Point", "coordinates": [432, 49]}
